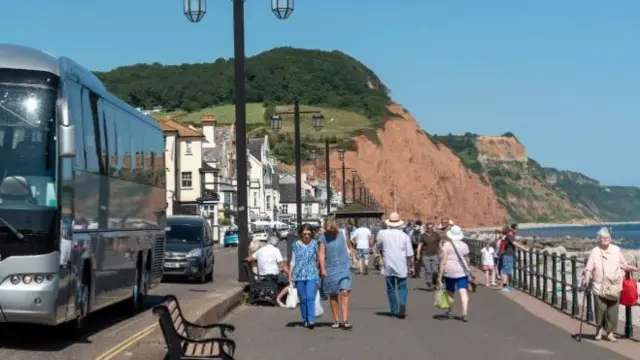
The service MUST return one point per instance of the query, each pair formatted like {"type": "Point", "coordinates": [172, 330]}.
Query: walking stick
{"type": "Point", "coordinates": [582, 316]}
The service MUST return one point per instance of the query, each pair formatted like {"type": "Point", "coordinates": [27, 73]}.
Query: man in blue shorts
{"type": "Point", "coordinates": [508, 257]}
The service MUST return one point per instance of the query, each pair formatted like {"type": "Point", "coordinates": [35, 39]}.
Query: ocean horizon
{"type": "Point", "coordinates": [628, 232]}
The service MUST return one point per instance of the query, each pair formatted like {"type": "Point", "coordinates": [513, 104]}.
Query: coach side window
{"type": "Point", "coordinates": [136, 133]}
{"type": "Point", "coordinates": [74, 93]}
{"type": "Point", "coordinates": [124, 144]}
{"type": "Point", "coordinates": [90, 154]}
{"type": "Point", "coordinates": [110, 114]}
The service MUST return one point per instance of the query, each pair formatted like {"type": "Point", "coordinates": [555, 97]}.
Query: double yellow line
{"type": "Point", "coordinates": [116, 350]}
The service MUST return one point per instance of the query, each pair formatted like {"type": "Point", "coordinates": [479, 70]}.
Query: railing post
{"type": "Point", "coordinates": [518, 265]}
{"type": "Point", "coordinates": [538, 292]}
{"type": "Point", "coordinates": [554, 281]}
{"type": "Point", "coordinates": [575, 308]}
{"type": "Point", "coordinates": [545, 276]}
{"type": "Point", "coordinates": [525, 276]}
{"type": "Point", "coordinates": [531, 272]}
{"type": "Point", "coordinates": [628, 326]}
{"type": "Point", "coordinates": [589, 298]}
{"type": "Point", "coordinates": [563, 281]}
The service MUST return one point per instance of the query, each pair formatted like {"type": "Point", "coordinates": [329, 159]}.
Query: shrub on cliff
{"type": "Point", "coordinates": [276, 76]}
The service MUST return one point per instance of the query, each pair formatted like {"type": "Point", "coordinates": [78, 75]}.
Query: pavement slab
{"type": "Point", "coordinates": [498, 328]}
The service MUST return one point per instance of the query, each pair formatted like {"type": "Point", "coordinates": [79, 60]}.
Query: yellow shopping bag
{"type": "Point", "coordinates": [441, 300]}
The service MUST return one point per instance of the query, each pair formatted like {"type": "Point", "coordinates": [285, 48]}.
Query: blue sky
{"type": "Point", "coordinates": [563, 75]}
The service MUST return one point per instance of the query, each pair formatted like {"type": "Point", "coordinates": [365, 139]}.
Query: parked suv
{"type": "Point", "coordinates": [189, 248]}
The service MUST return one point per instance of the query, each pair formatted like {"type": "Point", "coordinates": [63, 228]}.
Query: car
{"type": "Point", "coordinates": [230, 238]}
{"type": "Point", "coordinates": [260, 235]}
{"type": "Point", "coordinates": [189, 248]}
{"type": "Point", "coordinates": [283, 233]}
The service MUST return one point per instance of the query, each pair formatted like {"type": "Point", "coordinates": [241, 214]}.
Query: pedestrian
{"type": "Point", "coordinates": [429, 252]}
{"type": "Point", "coordinates": [488, 264]}
{"type": "Point", "coordinates": [416, 238]}
{"type": "Point", "coordinates": [334, 253]}
{"type": "Point", "coordinates": [454, 270]}
{"type": "Point", "coordinates": [508, 256]}
{"type": "Point", "coordinates": [397, 252]}
{"type": "Point", "coordinates": [363, 241]}
{"type": "Point", "coordinates": [304, 273]}
{"type": "Point", "coordinates": [604, 273]}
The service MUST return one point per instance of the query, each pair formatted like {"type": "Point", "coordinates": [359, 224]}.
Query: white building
{"type": "Point", "coordinates": [264, 194]}
{"type": "Point", "coordinates": [311, 207]}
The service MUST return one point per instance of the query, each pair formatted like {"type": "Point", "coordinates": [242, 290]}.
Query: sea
{"type": "Point", "coordinates": [628, 232]}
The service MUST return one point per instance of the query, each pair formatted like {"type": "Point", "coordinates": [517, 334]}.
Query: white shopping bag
{"type": "Point", "coordinates": [292, 298]}
{"type": "Point", "coordinates": [319, 309]}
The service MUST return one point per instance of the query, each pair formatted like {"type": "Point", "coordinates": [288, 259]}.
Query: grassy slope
{"type": "Point", "coordinates": [343, 125]}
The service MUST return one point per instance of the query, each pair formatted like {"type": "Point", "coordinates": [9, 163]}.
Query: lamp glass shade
{"type": "Point", "coordinates": [195, 10]}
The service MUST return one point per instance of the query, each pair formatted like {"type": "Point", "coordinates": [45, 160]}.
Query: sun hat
{"type": "Point", "coordinates": [394, 220]}
{"type": "Point", "coordinates": [455, 233]}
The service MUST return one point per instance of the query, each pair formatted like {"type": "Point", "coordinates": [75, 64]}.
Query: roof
{"type": "Point", "coordinates": [169, 125]}
{"type": "Point", "coordinates": [23, 57]}
{"type": "Point", "coordinates": [288, 195]}
{"type": "Point", "coordinates": [358, 210]}
{"type": "Point", "coordinates": [184, 220]}
{"type": "Point", "coordinates": [255, 148]}
{"type": "Point", "coordinates": [208, 168]}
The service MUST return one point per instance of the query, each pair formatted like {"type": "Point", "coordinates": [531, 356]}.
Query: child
{"type": "Point", "coordinates": [488, 263]}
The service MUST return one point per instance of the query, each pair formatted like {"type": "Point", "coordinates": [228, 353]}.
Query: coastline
{"type": "Point", "coordinates": [526, 226]}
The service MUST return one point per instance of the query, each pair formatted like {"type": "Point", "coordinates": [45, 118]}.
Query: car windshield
{"type": "Point", "coordinates": [230, 233]}
{"type": "Point", "coordinates": [184, 233]}
{"type": "Point", "coordinates": [27, 139]}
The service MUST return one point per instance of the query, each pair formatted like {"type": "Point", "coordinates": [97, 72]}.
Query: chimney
{"type": "Point", "coordinates": [208, 122]}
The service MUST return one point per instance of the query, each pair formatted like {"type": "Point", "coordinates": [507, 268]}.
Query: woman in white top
{"type": "Point", "coordinates": [454, 257]}
{"type": "Point", "coordinates": [488, 263]}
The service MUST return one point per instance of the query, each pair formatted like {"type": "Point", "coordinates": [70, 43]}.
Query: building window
{"type": "Point", "coordinates": [284, 209]}
{"type": "Point", "coordinates": [186, 180]}
{"type": "Point", "coordinates": [227, 197]}
{"type": "Point", "coordinates": [268, 202]}
{"type": "Point", "coordinates": [188, 150]}
{"type": "Point", "coordinates": [255, 199]}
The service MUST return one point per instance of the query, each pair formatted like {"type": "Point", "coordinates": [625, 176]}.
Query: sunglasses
{"type": "Point", "coordinates": [306, 234]}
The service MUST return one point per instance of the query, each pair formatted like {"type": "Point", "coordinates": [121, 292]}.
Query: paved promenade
{"type": "Point", "coordinates": [498, 328]}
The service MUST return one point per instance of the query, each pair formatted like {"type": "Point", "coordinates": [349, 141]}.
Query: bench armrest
{"type": "Point", "coordinates": [223, 327]}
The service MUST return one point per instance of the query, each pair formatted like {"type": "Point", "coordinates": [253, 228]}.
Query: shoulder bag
{"type": "Point", "coordinates": [611, 286]}
{"type": "Point", "coordinates": [465, 267]}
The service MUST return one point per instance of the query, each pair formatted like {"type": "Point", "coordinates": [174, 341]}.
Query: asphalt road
{"type": "Point", "coordinates": [498, 328]}
{"type": "Point", "coordinates": [109, 327]}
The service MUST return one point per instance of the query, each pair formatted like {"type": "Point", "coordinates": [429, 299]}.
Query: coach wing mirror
{"type": "Point", "coordinates": [66, 131]}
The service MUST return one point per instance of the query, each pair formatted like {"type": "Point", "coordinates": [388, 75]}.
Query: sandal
{"type": "Point", "coordinates": [347, 326]}
{"type": "Point", "coordinates": [335, 325]}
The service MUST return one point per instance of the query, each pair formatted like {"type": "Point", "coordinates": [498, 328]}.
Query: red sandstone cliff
{"type": "Point", "coordinates": [430, 179]}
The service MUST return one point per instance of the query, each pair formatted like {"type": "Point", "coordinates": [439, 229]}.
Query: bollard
{"type": "Point", "coordinates": [554, 281]}
{"type": "Point", "coordinates": [574, 287]}
{"type": "Point", "coordinates": [545, 277]}
{"type": "Point", "coordinates": [538, 292]}
{"type": "Point", "coordinates": [563, 281]}
{"type": "Point", "coordinates": [628, 326]}
{"type": "Point", "coordinates": [531, 272]}
{"type": "Point", "coordinates": [525, 283]}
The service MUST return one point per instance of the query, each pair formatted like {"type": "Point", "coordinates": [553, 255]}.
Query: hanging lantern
{"type": "Point", "coordinates": [276, 123]}
{"type": "Point", "coordinates": [341, 154]}
{"type": "Point", "coordinates": [313, 154]}
{"type": "Point", "coordinates": [317, 121]}
{"type": "Point", "coordinates": [282, 9]}
{"type": "Point", "coordinates": [194, 10]}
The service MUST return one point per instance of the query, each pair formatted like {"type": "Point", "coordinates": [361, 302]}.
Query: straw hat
{"type": "Point", "coordinates": [394, 220]}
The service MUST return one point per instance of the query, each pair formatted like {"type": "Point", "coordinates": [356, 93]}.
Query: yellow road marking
{"type": "Point", "coordinates": [114, 351]}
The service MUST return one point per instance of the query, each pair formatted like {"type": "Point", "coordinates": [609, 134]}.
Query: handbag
{"type": "Point", "coordinates": [319, 311]}
{"type": "Point", "coordinates": [463, 262]}
{"type": "Point", "coordinates": [629, 294]}
{"type": "Point", "coordinates": [611, 287]}
{"type": "Point", "coordinates": [292, 297]}
{"type": "Point", "coordinates": [441, 300]}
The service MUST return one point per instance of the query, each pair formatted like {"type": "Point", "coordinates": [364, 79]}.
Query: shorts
{"type": "Point", "coordinates": [362, 254]}
{"type": "Point", "coordinates": [459, 283]}
{"type": "Point", "coordinates": [507, 265]}
{"type": "Point", "coordinates": [487, 267]}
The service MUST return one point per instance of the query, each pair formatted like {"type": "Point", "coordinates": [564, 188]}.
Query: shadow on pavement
{"type": "Point", "coordinates": [299, 324]}
{"type": "Point", "coordinates": [425, 289]}
{"type": "Point", "coordinates": [385, 314]}
{"type": "Point", "coordinates": [56, 338]}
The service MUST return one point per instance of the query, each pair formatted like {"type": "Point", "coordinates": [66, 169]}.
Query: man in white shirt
{"type": "Point", "coordinates": [363, 240]}
{"type": "Point", "coordinates": [397, 252]}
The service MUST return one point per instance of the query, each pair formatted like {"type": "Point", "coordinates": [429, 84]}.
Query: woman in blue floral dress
{"type": "Point", "coordinates": [304, 273]}
{"type": "Point", "coordinates": [334, 256]}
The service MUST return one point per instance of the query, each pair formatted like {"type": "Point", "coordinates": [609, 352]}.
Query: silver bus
{"type": "Point", "coordinates": [82, 193]}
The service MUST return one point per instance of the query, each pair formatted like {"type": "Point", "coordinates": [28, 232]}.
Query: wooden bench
{"type": "Point", "coordinates": [261, 290]}
{"type": "Point", "coordinates": [188, 341]}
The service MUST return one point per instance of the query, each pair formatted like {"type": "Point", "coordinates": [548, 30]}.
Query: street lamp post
{"type": "Point", "coordinates": [344, 177]}
{"type": "Point", "coordinates": [276, 125]}
{"type": "Point", "coordinates": [327, 171]}
{"type": "Point", "coordinates": [353, 185]}
{"type": "Point", "coordinates": [195, 10]}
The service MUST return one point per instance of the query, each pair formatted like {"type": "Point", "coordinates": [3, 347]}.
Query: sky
{"type": "Point", "coordinates": [563, 75]}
